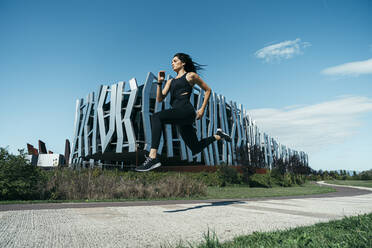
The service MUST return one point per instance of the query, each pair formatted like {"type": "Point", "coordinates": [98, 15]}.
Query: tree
{"type": "Point", "coordinates": [279, 165]}
{"type": "Point", "coordinates": [19, 180]}
{"type": "Point", "coordinates": [257, 157]}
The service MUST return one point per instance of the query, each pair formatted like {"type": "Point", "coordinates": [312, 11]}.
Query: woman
{"type": "Point", "coordinates": [182, 112]}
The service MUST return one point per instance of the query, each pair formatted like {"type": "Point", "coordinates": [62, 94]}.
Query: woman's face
{"type": "Point", "coordinates": [177, 64]}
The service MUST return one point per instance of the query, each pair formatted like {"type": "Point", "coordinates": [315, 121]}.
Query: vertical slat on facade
{"type": "Point", "coordinates": [168, 127]}
{"type": "Point", "coordinates": [158, 108]}
{"type": "Point", "coordinates": [254, 135]}
{"type": "Point", "coordinates": [210, 127]}
{"type": "Point", "coordinates": [270, 153]}
{"type": "Point", "coordinates": [204, 131]}
{"type": "Point", "coordinates": [248, 129]}
{"type": "Point", "coordinates": [128, 112]}
{"type": "Point", "coordinates": [222, 122]}
{"type": "Point", "coordinates": [188, 150]}
{"type": "Point", "coordinates": [252, 132]}
{"type": "Point", "coordinates": [264, 146]}
{"type": "Point", "coordinates": [146, 110]}
{"type": "Point", "coordinates": [76, 129]}
{"type": "Point", "coordinates": [286, 153]}
{"type": "Point", "coordinates": [83, 110]}
{"type": "Point", "coordinates": [233, 132]}
{"type": "Point", "coordinates": [95, 121]}
{"type": "Point", "coordinates": [86, 127]}
{"type": "Point", "coordinates": [257, 135]}
{"type": "Point", "coordinates": [229, 152]}
{"type": "Point", "coordinates": [280, 153]}
{"type": "Point", "coordinates": [238, 128]}
{"type": "Point", "coordinates": [276, 150]}
{"type": "Point", "coordinates": [198, 122]}
{"type": "Point", "coordinates": [106, 137]}
{"type": "Point", "coordinates": [119, 125]}
{"type": "Point", "coordinates": [241, 124]}
{"type": "Point", "coordinates": [216, 153]}
{"type": "Point", "coordinates": [100, 115]}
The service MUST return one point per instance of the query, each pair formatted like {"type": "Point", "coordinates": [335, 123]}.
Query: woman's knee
{"type": "Point", "coordinates": [195, 150]}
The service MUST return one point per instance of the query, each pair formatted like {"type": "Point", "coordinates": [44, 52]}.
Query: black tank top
{"type": "Point", "coordinates": [178, 88]}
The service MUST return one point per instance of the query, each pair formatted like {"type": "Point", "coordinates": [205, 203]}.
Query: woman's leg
{"type": "Point", "coordinates": [168, 116]}
{"type": "Point", "coordinates": [188, 134]}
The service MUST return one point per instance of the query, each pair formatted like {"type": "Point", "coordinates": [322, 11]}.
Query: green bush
{"type": "Point", "coordinates": [19, 180]}
{"type": "Point", "coordinates": [228, 175]}
{"type": "Point", "coordinates": [276, 173]}
{"type": "Point", "coordinates": [248, 171]}
{"type": "Point", "coordinates": [284, 180]}
{"type": "Point", "coordinates": [326, 176]}
{"type": "Point", "coordinates": [261, 180]}
{"type": "Point", "coordinates": [366, 175]}
{"type": "Point", "coordinates": [287, 180]}
{"type": "Point", "coordinates": [298, 179]}
{"type": "Point", "coordinates": [345, 177]}
{"type": "Point", "coordinates": [208, 178]}
{"type": "Point", "coordinates": [313, 177]}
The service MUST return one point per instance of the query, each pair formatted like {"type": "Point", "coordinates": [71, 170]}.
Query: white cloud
{"type": "Point", "coordinates": [283, 50]}
{"type": "Point", "coordinates": [352, 68]}
{"type": "Point", "coordinates": [311, 128]}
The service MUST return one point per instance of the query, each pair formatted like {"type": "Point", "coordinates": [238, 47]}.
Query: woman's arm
{"type": "Point", "coordinates": [197, 80]}
{"type": "Point", "coordinates": [161, 94]}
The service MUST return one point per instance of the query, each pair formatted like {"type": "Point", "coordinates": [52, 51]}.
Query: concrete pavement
{"type": "Point", "coordinates": [154, 225]}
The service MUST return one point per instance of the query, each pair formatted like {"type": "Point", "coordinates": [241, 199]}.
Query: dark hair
{"type": "Point", "coordinates": [190, 65]}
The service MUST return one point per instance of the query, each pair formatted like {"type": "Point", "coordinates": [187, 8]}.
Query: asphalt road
{"type": "Point", "coordinates": [165, 223]}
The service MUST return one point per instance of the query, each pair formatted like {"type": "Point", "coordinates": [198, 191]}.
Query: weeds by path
{"type": "Point", "coordinates": [353, 231]}
{"type": "Point", "coordinates": [213, 192]}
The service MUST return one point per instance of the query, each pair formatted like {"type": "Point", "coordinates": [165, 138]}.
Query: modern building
{"type": "Point", "coordinates": [113, 125]}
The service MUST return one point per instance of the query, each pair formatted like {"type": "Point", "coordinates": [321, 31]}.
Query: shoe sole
{"type": "Point", "coordinates": [224, 136]}
{"type": "Point", "coordinates": [151, 168]}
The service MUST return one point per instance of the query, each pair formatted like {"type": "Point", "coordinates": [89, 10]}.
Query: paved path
{"type": "Point", "coordinates": [350, 187]}
{"type": "Point", "coordinates": [153, 224]}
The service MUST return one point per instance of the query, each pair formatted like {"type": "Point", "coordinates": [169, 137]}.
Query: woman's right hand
{"type": "Point", "coordinates": [161, 76]}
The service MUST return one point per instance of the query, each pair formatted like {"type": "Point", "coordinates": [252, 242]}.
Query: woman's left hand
{"type": "Point", "coordinates": [199, 114]}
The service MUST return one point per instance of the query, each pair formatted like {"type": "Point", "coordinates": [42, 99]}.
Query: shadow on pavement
{"type": "Point", "coordinates": [213, 204]}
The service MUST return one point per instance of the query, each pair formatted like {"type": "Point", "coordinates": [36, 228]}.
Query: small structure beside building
{"type": "Point", "coordinates": [40, 157]}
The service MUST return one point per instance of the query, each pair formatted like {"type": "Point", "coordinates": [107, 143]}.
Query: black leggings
{"type": "Point", "coordinates": [184, 117]}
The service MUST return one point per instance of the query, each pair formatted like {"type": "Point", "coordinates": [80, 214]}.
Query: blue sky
{"type": "Point", "coordinates": [303, 69]}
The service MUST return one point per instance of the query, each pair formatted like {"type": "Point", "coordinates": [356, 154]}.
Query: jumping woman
{"type": "Point", "coordinates": [182, 112]}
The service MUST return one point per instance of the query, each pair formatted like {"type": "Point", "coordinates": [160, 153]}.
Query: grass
{"type": "Point", "coordinates": [228, 192]}
{"type": "Point", "coordinates": [246, 192]}
{"type": "Point", "coordinates": [362, 183]}
{"type": "Point", "coordinates": [353, 231]}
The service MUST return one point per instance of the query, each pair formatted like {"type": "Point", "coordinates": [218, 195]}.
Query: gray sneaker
{"type": "Point", "coordinates": [149, 164]}
{"type": "Point", "coordinates": [223, 135]}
